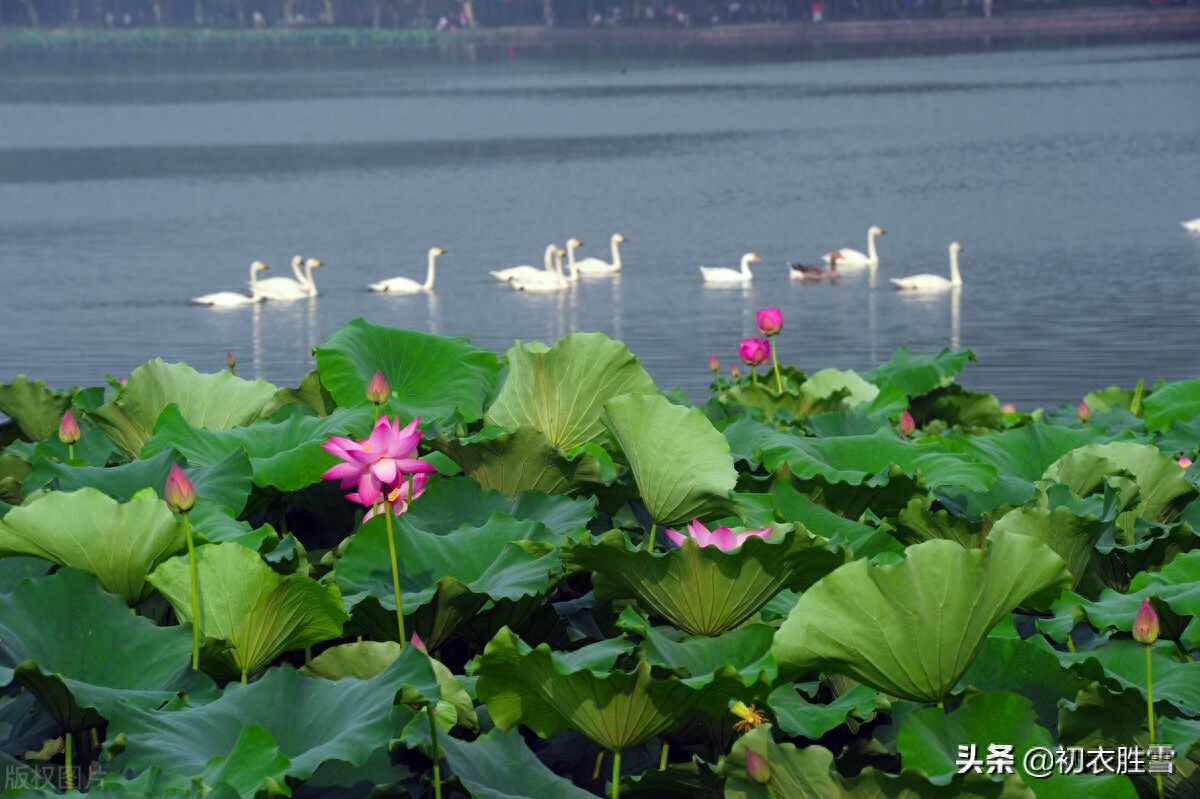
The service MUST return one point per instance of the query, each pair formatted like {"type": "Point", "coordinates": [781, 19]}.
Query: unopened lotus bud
{"type": "Point", "coordinates": [378, 389]}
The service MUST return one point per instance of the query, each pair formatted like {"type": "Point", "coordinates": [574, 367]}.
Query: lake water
{"type": "Point", "coordinates": [129, 185]}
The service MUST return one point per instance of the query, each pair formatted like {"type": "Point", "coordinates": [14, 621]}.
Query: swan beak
{"type": "Point", "coordinates": [439, 251]}
{"type": "Point", "coordinates": [754, 257]}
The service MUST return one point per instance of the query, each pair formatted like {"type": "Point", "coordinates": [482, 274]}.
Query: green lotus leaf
{"type": "Point", "coordinates": [214, 402]}
{"type": "Point", "coordinates": [851, 385]}
{"type": "Point", "coordinates": [457, 572]}
{"type": "Point", "coordinates": [284, 452]}
{"type": "Point", "coordinates": [681, 464]}
{"type": "Point", "coordinates": [1072, 537]}
{"type": "Point", "coordinates": [254, 765]}
{"type": "Point", "coordinates": [1124, 663]}
{"type": "Point", "coordinates": [919, 374]}
{"type": "Point", "coordinates": [15, 569]}
{"type": "Point", "coordinates": [309, 394]}
{"type": "Point", "coordinates": [955, 406]}
{"type": "Point", "coordinates": [36, 409]}
{"type": "Point", "coordinates": [617, 710]}
{"type": "Point", "coordinates": [81, 652]}
{"type": "Point", "coordinates": [747, 649]}
{"type": "Point", "coordinates": [1025, 453]}
{"type": "Point", "coordinates": [243, 602]}
{"type": "Point", "coordinates": [439, 379]}
{"type": "Point", "coordinates": [1163, 488]}
{"type": "Point", "coordinates": [863, 541]}
{"type": "Point", "coordinates": [797, 716]}
{"type": "Point", "coordinates": [312, 720]}
{"type": "Point", "coordinates": [911, 629]}
{"type": "Point", "coordinates": [861, 459]}
{"type": "Point", "coordinates": [703, 590]}
{"type": "Point", "coordinates": [930, 740]}
{"type": "Point", "coordinates": [450, 504]}
{"type": "Point", "coordinates": [1171, 402]}
{"type": "Point", "coordinates": [919, 522]}
{"type": "Point", "coordinates": [561, 391]}
{"type": "Point", "coordinates": [1027, 668]}
{"type": "Point", "coordinates": [520, 460]}
{"type": "Point", "coordinates": [120, 543]}
{"type": "Point", "coordinates": [808, 773]}
{"type": "Point", "coordinates": [763, 401]}
{"type": "Point", "coordinates": [499, 765]}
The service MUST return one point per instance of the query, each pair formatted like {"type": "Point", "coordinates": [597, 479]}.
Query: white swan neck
{"type": "Point", "coordinates": [616, 253]}
{"type": "Point", "coordinates": [955, 276]}
{"type": "Point", "coordinates": [254, 294]}
{"type": "Point", "coordinates": [871, 254]}
{"type": "Point", "coordinates": [550, 252]}
{"type": "Point", "coordinates": [429, 273]}
{"type": "Point", "coordinates": [745, 264]}
{"type": "Point", "coordinates": [301, 277]}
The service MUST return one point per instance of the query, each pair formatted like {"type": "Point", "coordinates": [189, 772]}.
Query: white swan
{"type": "Point", "coordinates": [927, 282]}
{"type": "Point", "coordinates": [227, 299]}
{"type": "Point", "coordinates": [851, 258]}
{"type": "Point", "coordinates": [286, 288]}
{"type": "Point", "coordinates": [405, 285]}
{"type": "Point", "coordinates": [595, 266]}
{"type": "Point", "coordinates": [1192, 225]}
{"type": "Point", "coordinates": [723, 275]}
{"type": "Point", "coordinates": [528, 271]}
{"type": "Point", "coordinates": [572, 264]}
{"type": "Point", "coordinates": [555, 281]}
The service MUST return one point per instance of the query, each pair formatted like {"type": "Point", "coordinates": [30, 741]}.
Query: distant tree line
{"type": "Point", "coordinates": [458, 13]}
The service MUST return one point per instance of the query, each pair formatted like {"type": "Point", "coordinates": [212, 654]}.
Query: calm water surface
{"type": "Point", "coordinates": [128, 188]}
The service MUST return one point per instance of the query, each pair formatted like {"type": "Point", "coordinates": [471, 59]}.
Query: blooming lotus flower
{"type": "Point", "coordinates": [714, 365]}
{"type": "Point", "coordinates": [378, 389]}
{"type": "Point", "coordinates": [722, 538]}
{"type": "Point", "coordinates": [754, 351]}
{"type": "Point", "coordinates": [68, 429]}
{"type": "Point", "coordinates": [757, 768]}
{"type": "Point", "coordinates": [1083, 412]}
{"type": "Point", "coordinates": [1145, 624]}
{"type": "Point", "coordinates": [398, 498]}
{"type": "Point", "coordinates": [381, 462]}
{"type": "Point", "coordinates": [180, 493]}
{"type": "Point", "coordinates": [770, 321]}
{"type": "Point", "coordinates": [906, 425]}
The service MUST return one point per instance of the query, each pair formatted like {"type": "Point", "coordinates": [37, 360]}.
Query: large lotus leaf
{"type": "Point", "coordinates": [1162, 485]}
{"type": "Point", "coordinates": [863, 541]}
{"type": "Point", "coordinates": [1124, 662]}
{"type": "Point", "coordinates": [617, 710]}
{"type": "Point", "coordinates": [747, 649]}
{"type": "Point", "coordinates": [808, 773]}
{"type": "Point", "coordinates": [1025, 452]}
{"type": "Point", "coordinates": [797, 716]}
{"type": "Point", "coordinates": [911, 629]}
{"type": "Point", "coordinates": [955, 406]}
{"type": "Point", "coordinates": [285, 452]}
{"type": "Point", "coordinates": [520, 460]}
{"type": "Point", "coordinates": [918, 522]}
{"type": "Point", "coordinates": [561, 391]}
{"type": "Point", "coordinates": [762, 401]}
{"type": "Point", "coordinates": [310, 394]}
{"type": "Point", "coordinates": [120, 543]}
{"type": "Point", "coordinates": [919, 374]}
{"type": "Point", "coordinates": [827, 382]}
{"type": "Point", "coordinates": [860, 459]}
{"type": "Point", "coordinates": [1072, 537]}
{"type": "Point", "coordinates": [81, 651]}
{"type": "Point", "coordinates": [450, 504]}
{"type": "Point", "coordinates": [499, 765]}
{"type": "Point", "coordinates": [1171, 402]}
{"type": "Point", "coordinates": [214, 402]}
{"type": "Point", "coordinates": [458, 572]}
{"type": "Point", "coordinates": [681, 464]}
{"type": "Point", "coordinates": [36, 409]}
{"type": "Point", "coordinates": [313, 720]}
{"type": "Point", "coordinates": [440, 379]}
{"type": "Point", "coordinates": [15, 569]}
{"type": "Point", "coordinates": [930, 740]}
{"type": "Point", "coordinates": [243, 602]}
{"type": "Point", "coordinates": [1021, 666]}
{"type": "Point", "coordinates": [703, 590]}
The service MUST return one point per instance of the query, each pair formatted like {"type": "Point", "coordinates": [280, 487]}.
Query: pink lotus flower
{"type": "Point", "coordinates": [180, 493]}
{"type": "Point", "coordinates": [1185, 461]}
{"type": "Point", "coordinates": [757, 768]}
{"type": "Point", "coordinates": [1083, 411]}
{"type": "Point", "coordinates": [381, 462]}
{"type": "Point", "coordinates": [418, 643]}
{"type": "Point", "coordinates": [1145, 624]}
{"type": "Point", "coordinates": [734, 372]}
{"type": "Point", "coordinates": [907, 425]}
{"type": "Point", "coordinates": [754, 351]}
{"type": "Point", "coordinates": [68, 429]}
{"type": "Point", "coordinates": [770, 321]}
{"type": "Point", "coordinates": [230, 361]}
{"type": "Point", "coordinates": [714, 365]}
{"type": "Point", "coordinates": [722, 538]}
{"type": "Point", "coordinates": [378, 389]}
{"type": "Point", "coordinates": [398, 498]}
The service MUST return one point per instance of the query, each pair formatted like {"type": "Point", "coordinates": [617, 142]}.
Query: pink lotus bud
{"type": "Point", "coordinates": [68, 429]}
{"type": "Point", "coordinates": [1084, 413]}
{"type": "Point", "coordinates": [230, 361]}
{"type": "Point", "coordinates": [1008, 407]}
{"type": "Point", "coordinates": [770, 321]}
{"type": "Point", "coordinates": [754, 351]}
{"type": "Point", "coordinates": [418, 643]}
{"type": "Point", "coordinates": [378, 389]}
{"type": "Point", "coordinates": [122, 380]}
{"type": "Point", "coordinates": [714, 365]}
{"type": "Point", "coordinates": [756, 766]}
{"type": "Point", "coordinates": [734, 372]}
{"type": "Point", "coordinates": [180, 493]}
{"type": "Point", "coordinates": [906, 425]}
{"type": "Point", "coordinates": [1185, 461]}
{"type": "Point", "coordinates": [1145, 624]}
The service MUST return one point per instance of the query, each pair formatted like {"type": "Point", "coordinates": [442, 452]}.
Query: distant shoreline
{"type": "Point", "coordinates": [1068, 26]}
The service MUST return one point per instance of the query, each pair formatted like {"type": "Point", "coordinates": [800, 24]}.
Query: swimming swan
{"type": "Point", "coordinates": [595, 266]}
{"type": "Point", "coordinates": [1192, 225]}
{"type": "Point", "coordinates": [404, 285]}
{"type": "Point", "coordinates": [856, 258]}
{"type": "Point", "coordinates": [286, 288]}
{"type": "Point", "coordinates": [228, 299]}
{"type": "Point", "coordinates": [926, 282]}
{"type": "Point", "coordinates": [552, 282]}
{"type": "Point", "coordinates": [806, 272]}
{"type": "Point", "coordinates": [528, 271]}
{"type": "Point", "coordinates": [723, 275]}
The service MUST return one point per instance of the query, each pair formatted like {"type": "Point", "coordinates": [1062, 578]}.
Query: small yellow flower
{"type": "Point", "coordinates": [750, 716]}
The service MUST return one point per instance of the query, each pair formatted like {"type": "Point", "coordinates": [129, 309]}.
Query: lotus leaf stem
{"type": "Point", "coordinates": [191, 545]}
{"type": "Point", "coordinates": [599, 761]}
{"type": "Point", "coordinates": [653, 533]}
{"type": "Point", "coordinates": [68, 756]}
{"type": "Point", "coordinates": [616, 777]}
{"type": "Point", "coordinates": [1150, 711]}
{"type": "Point", "coordinates": [775, 360]}
{"type": "Point", "coordinates": [437, 755]}
{"type": "Point", "coordinates": [391, 537]}
{"type": "Point", "coordinates": [662, 758]}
